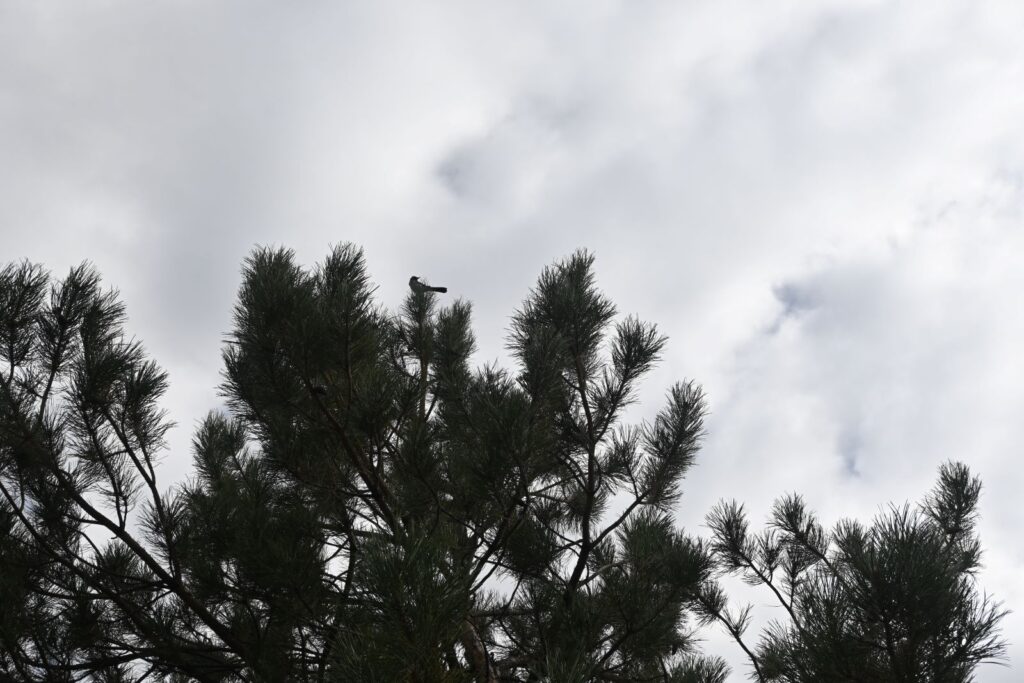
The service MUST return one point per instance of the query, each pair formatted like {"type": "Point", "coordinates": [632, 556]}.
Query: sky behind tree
{"type": "Point", "coordinates": [822, 205]}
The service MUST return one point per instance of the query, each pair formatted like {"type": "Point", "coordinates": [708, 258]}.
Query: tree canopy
{"type": "Point", "coordinates": [367, 507]}
{"type": "Point", "coordinates": [892, 602]}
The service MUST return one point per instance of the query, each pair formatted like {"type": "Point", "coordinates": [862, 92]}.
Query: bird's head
{"type": "Point", "coordinates": [414, 279]}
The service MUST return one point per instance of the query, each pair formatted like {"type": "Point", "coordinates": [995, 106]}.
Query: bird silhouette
{"type": "Point", "coordinates": [419, 287]}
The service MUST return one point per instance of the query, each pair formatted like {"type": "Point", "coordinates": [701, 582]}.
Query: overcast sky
{"type": "Point", "coordinates": [821, 203]}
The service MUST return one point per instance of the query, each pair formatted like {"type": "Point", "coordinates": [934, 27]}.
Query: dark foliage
{"type": "Point", "coordinates": [895, 602]}
{"type": "Point", "coordinates": [369, 508]}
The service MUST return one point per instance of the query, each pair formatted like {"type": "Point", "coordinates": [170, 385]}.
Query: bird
{"type": "Point", "coordinates": [418, 287]}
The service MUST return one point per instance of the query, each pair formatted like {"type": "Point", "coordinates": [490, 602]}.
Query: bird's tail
{"type": "Point", "coordinates": [440, 290]}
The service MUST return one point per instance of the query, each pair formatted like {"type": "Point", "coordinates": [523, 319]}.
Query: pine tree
{"type": "Point", "coordinates": [367, 507]}
{"type": "Point", "coordinates": [893, 602]}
